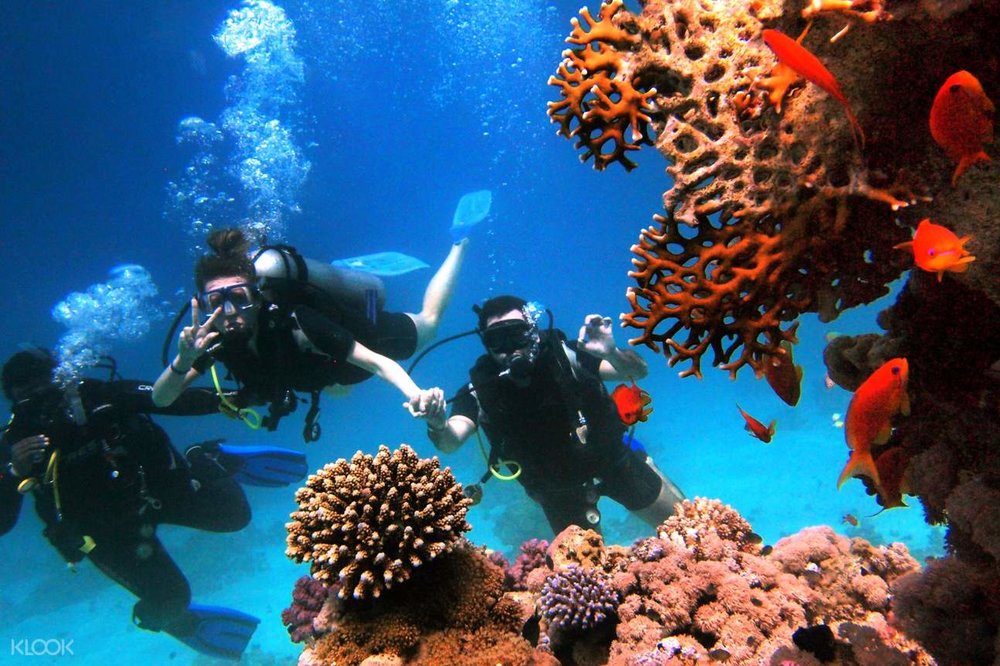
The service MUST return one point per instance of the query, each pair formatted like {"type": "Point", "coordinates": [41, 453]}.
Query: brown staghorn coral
{"type": "Point", "coordinates": [368, 523]}
{"type": "Point", "coordinates": [791, 218]}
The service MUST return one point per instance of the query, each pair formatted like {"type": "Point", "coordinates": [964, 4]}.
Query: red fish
{"type": "Point", "coordinates": [869, 417]}
{"type": "Point", "coordinates": [937, 249]}
{"type": "Point", "coordinates": [784, 377]}
{"type": "Point", "coordinates": [631, 402]}
{"type": "Point", "coordinates": [962, 121]}
{"type": "Point", "coordinates": [795, 56]}
{"type": "Point", "coordinates": [758, 429]}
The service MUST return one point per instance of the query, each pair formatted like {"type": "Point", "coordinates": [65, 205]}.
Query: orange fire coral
{"type": "Point", "coordinates": [788, 218]}
{"type": "Point", "coordinates": [599, 95]}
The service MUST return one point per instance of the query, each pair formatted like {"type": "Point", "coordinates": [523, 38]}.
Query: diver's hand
{"type": "Point", "coordinates": [26, 453]}
{"type": "Point", "coordinates": [196, 339]}
{"type": "Point", "coordinates": [428, 404]}
{"type": "Point", "coordinates": [595, 336]}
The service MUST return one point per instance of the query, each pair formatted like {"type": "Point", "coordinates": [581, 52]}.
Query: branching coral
{"type": "Point", "coordinates": [308, 599]}
{"type": "Point", "coordinates": [368, 523]}
{"type": "Point", "coordinates": [789, 216]}
{"type": "Point", "coordinates": [577, 599]}
{"type": "Point", "coordinates": [601, 101]}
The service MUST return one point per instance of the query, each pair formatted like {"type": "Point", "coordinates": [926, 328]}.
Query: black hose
{"type": "Point", "coordinates": [437, 344]}
{"type": "Point", "coordinates": [170, 334]}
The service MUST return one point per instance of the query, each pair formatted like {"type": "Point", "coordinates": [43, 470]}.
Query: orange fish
{"type": "Point", "coordinates": [869, 417]}
{"type": "Point", "coordinates": [962, 121]}
{"type": "Point", "coordinates": [631, 402]}
{"type": "Point", "coordinates": [795, 56]}
{"type": "Point", "coordinates": [756, 428]}
{"type": "Point", "coordinates": [784, 376]}
{"type": "Point", "coordinates": [937, 249]}
{"type": "Point", "coordinates": [851, 519]}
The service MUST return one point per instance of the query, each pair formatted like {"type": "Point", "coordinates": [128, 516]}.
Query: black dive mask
{"type": "Point", "coordinates": [507, 337]}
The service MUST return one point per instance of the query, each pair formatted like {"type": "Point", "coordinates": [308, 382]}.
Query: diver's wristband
{"type": "Point", "coordinates": [174, 370]}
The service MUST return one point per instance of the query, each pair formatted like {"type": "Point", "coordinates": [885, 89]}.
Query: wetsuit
{"type": "Point", "coordinates": [118, 477]}
{"type": "Point", "coordinates": [538, 426]}
{"type": "Point", "coordinates": [280, 366]}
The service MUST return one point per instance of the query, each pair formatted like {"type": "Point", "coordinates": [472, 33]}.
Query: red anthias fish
{"type": "Point", "coordinates": [758, 429]}
{"type": "Point", "coordinates": [869, 417]}
{"type": "Point", "coordinates": [631, 402]}
{"type": "Point", "coordinates": [783, 375]}
{"type": "Point", "coordinates": [937, 249]}
{"type": "Point", "coordinates": [962, 121]}
{"type": "Point", "coordinates": [795, 56]}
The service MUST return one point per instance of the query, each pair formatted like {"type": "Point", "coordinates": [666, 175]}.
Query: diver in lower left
{"type": "Point", "coordinates": [104, 476]}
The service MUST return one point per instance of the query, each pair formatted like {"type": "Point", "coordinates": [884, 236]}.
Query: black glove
{"type": "Point", "coordinates": [69, 540]}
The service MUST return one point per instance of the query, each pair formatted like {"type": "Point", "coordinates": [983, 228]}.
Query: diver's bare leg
{"type": "Point", "coordinates": [438, 294]}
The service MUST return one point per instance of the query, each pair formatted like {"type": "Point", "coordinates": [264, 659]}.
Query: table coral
{"type": "Point", "coordinates": [790, 216]}
{"type": "Point", "coordinates": [368, 523]}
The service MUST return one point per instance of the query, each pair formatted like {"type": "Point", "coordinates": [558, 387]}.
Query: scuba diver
{"type": "Point", "coordinates": [104, 476]}
{"type": "Point", "coordinates": [282, 324]}
{"type": "Point", "coordinates": [549, 419]}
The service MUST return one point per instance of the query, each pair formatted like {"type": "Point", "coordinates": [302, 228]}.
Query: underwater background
{"type": "Point", "coordinates": [128, 128]}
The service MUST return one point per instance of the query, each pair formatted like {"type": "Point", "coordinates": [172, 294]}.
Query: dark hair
{"type": "Point", "coordinates": [230, 256]}
{"type": "Point", "coordinates": [496, 306]}
{"type": "Point", "coordinates": [26, 367]}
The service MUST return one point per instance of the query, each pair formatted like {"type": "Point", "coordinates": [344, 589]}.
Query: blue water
{"type": "Point", "coordinates": [389, 112]}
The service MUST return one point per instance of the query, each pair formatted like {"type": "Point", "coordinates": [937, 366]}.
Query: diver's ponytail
{"type": "Point", "coordinates": [229, 257]}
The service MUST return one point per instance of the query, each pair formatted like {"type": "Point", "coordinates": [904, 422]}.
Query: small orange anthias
{"type": "Point", "coordinates": [758, 429]}
{"type": "Point", "coordinates": [962, 121]}
{"type": "Point", "coordinates": [631, 402]}
{"type": "Point", "coordinates": [791, 54]}
{"type": "Point", "coordinates": [869, 418]}
{"type": "Point", "coordinates": [784, 377]}
{"type": "Point", "coordinates": [937, 249]}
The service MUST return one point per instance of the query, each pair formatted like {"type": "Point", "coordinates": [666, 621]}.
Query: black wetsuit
{"type": "Point", "coordinates": [118, 477]}
{"type": "Point", "coordinates": [536, 426]}
{"type": "Point", "coordinates": [280, 366]}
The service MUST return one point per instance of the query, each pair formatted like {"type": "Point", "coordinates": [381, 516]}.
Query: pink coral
{"type": "Point", "coordinates": [308, 598]}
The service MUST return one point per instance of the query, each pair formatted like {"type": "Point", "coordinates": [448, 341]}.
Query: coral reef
{"type": "Point", "coordinates": [703, 591]}
{"type": "Point", "coordinates": [308, 599]}
{"type": "Point", "coordinates": [369, 523]}
{"type": "Point", "coordinates": [952, 442]}
{"type": "Point", "coordinates": [772, 210]}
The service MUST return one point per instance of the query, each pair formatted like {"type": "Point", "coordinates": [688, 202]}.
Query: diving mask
{"type": "Point", "coordinates": [231, 299]}
{"type": "Point", "coordinates": [508, 336]}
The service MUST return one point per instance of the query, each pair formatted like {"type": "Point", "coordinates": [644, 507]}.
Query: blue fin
{"type": "Point", "coordinates": [219, 632]}
{"type": "Point", "coordinates": [384, 264]}
{"type": "Point", "coordinates": [471, 210]}
{"type": "Point", "coordinates": [268, 466]}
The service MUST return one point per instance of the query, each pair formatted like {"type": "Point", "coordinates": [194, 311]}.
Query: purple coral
{"type": "Point", "coordinates": [578, 599]}
{"type": "Point", "coordinates": [533, 555]}
{"type": "Point", "coordinates": [308, 598]}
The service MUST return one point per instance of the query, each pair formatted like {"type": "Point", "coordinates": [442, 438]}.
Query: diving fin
{"type": "Point", "coordinates": [268, 466]}
{"type": "Point", "coordinates": [219, 632]}
{"type": "Point", "coordinates": [471, 210]}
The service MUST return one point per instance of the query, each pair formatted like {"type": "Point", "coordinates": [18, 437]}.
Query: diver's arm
{"type": "Point", "coordinates": [616, 364]}
{"type": "Point", "coordinates": [384, 367]}
{"type": "Point", "coordinates": [192, 344]}
{"type": "Point", "coordinates": [622, 364]}
{"type": "Point", "coordinates": [448, 435]}
{"type": "Point", "coordinates": [138, 396]}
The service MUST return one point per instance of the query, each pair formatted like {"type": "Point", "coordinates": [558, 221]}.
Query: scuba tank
{"type": "Point", "coordinates": [284, 273]}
